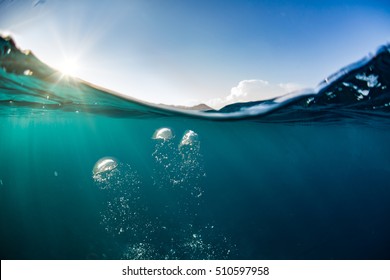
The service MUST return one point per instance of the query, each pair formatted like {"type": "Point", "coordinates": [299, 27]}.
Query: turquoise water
{"type": "Point", "coordinates": [85, 174]}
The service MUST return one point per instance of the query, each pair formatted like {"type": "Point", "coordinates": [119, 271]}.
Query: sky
{"type": "Point", "coordinates": [190, 52]}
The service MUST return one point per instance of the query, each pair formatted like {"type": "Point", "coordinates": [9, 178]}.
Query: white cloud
{"type": "Point", "coordinates": [253, 90]}
{"type": "Point", "coordinates": [246, 88]}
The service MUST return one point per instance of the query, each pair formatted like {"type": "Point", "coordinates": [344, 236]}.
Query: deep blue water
{"type": "Point", "coordinates": [304, 177]}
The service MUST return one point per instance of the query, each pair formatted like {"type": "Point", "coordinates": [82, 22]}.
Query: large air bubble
{"type": "Point", "coordinates": [104, 170]}
{"type": "Point", "coordinates": [103, 165]}
{"type": "Point", "coordinates": [190, 138]}
{"type": "Point", "coordinates": [163, 134]}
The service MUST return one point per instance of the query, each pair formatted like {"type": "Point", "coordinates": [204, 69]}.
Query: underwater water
{"type": "Point", "coordinates": [85, 174]}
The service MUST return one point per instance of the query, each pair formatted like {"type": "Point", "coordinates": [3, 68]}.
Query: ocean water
{"type": "Point", "coordinates": [87, 174]}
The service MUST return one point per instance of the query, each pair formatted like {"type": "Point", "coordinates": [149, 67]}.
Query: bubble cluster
{"type": "Point", "coordinates": [121, 184]}
{"type": "Point", "coordinates": [204, 243]}
{"type": "Point", "coordinates": [160, 221]}
{"type": "Point", "coordinates": [179, 173]}
{"type": "Point", "coordinates": [140, 251]}
{"type": "Point", "coordinates": [179, 166]}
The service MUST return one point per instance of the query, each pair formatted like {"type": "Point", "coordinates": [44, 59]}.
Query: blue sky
{"type": "Point", "coordinates": [186, 52]}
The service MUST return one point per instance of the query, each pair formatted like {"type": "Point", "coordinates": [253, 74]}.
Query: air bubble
{"type": "Point", "coordinates": [103, 165]}
{"type": "Point", "coordinates": [163, 134]}
{"type": "Point", "coordinates": [189, 138]}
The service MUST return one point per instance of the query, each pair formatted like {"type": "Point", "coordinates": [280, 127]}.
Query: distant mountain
{"type": "Point", "coordinates": [199, 107]}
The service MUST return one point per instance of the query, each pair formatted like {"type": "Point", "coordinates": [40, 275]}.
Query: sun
{"type": "Point", "coordinates": [69, 66]}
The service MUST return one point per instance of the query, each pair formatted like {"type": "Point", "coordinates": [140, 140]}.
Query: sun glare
{"type": "Point", "coordinates": [69, 67]}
